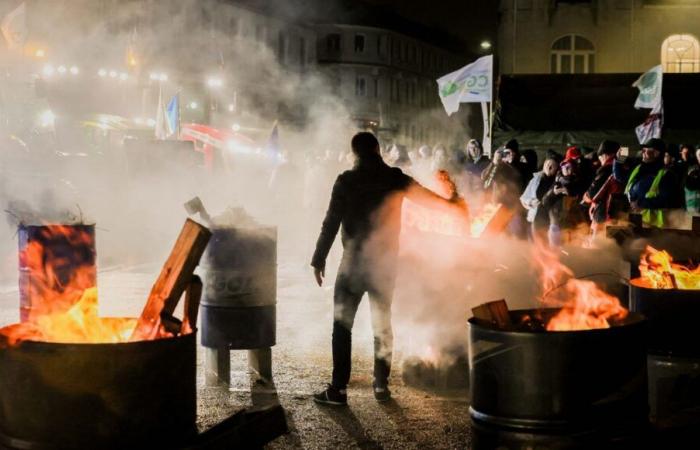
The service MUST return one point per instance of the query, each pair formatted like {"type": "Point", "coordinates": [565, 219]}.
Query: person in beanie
{"type": "Point", "coordinates": [604, 185]}
{"type": "Point", "coordinates": [652, 188]}
{"type": "Point", "coordinates": [366, 203]}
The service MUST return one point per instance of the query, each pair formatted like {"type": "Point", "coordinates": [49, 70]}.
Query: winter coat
{"type": "Point", "coordinates": [692, 189]}
{"type": "Point", "coordinates": [531, 199]}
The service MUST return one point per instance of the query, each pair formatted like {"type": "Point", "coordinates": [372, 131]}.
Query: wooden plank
{"type": "Point", "coordinates": [174, 278]}
{"type": "Point", "coordinates": [499, 221]}
{"type": "Point", "coordinates": [495, 313]}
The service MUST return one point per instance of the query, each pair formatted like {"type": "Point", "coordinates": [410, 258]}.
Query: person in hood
{"type": "Point", "coordinates": [366, 205]}
{"type": "Point", "coordinates": [532, 198]}
{"type": "Point", "coordinates": [475, 164]}
{"type": "Point", "coordinates": [652, 189]}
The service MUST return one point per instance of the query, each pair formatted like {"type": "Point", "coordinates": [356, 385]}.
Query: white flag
{"type": "Point", "coordinates": [470, 84]}
{"type": "Point", "coordinates": [649, 85]}
{"type": "Point", "coordinates": [14, 27]}
{"type": "Point", "coordinates": [163, 130]}
{"type": "Point", "coordinates": [652, 126]}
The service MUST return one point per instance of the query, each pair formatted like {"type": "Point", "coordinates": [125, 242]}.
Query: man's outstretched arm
{"type": "Point", "coordinates": [329, 229]}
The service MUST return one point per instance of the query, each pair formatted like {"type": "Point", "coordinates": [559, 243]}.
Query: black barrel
{"type": "Point", "coordinates": [673, 316]}
{"type": "Point", "coordinates": [590, 382]}
{"type": "Point", "coordinates": [240, 289]}
{"type": "Point", "coordinates": [98, 396]}
{"type": "Point", "coordinates": [64, 249]}
{"type": "Point", "coordinates": [674, 353]}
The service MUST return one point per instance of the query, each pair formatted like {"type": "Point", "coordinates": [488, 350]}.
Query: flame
{"type": "Point", "coordinates": [61, 292]}
{"type": "Point", "coordinates": [80, 324]}
{"type": "Point", "coordinates": [60, 266]}
{"type": "Point", "coordinates": [658, 271]}
{"type": "Point", "coordinates": [584, 306]}
{"type": "Point", "coordinates": [481, 220]}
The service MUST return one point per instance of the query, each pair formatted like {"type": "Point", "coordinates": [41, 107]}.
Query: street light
{"type": "Point", "coordinates": [74, 70]}
{"type": "Point", "coordinates": [485, 45]}
{"type": "Point", "coordinates": [62, 69]}
{"type": "Point", "coordinates": [193, 105]}
{"type": "Point", "coordinates": [215, 82]}
{"type": "Point", "coordinates": [40, 53]}
{"type": "Point", "coordinates": [48, 70]}
{"type": "Point", "coordinates": [47, 118]}
{"type": "Point", "coordinates": [102, 72]}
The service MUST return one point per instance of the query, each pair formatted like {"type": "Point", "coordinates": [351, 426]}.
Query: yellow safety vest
{"type": "Point", "coordinates": [653, 217]}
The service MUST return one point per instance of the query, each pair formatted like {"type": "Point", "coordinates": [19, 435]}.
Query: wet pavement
{"type": "Point", "coordinates": [414, 419]}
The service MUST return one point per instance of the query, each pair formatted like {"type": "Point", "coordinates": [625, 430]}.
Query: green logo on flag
{"type": "Point", "coordinates": [449, 88]}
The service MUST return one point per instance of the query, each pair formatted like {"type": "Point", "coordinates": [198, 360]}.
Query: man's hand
{"type": "Point", "coordinates": [320, 275]}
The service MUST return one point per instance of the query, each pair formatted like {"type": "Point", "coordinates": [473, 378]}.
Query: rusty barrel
{"type": "Point", "coordinates": [240, 288]}
{"type": "Point", "coordinates": [53, 258]}
{"type": "Point", "coordinates": [98, 396]}
{"type": "Point", "coordinates": [587, 386]}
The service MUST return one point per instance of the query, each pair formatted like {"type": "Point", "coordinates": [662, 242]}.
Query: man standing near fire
{"type": "Point", "coordinates": [366, 202]}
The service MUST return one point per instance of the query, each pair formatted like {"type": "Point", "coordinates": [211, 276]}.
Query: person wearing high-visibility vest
{"type": "Point", "coordinates": [651, 188]}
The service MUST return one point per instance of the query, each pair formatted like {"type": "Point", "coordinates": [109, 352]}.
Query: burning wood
{"type": "Point", "coordinates": [584, 305]}
{"type": "Point", "coordinates": [658, 271]}
{"type": "Point", "coordinates": [174, 278]}
{"type": "Point", "coordinates": [495, 313]}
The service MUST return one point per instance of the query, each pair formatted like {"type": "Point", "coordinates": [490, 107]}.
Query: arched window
{"type": "Point", "coordinates": [680, 53]}
{"type": "Point", "coordinates": [572, 54]}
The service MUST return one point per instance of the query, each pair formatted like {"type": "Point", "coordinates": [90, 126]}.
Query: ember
{"type": "Point", "coordinates": [658, 271]}
{"type": "Point", "coordinates": [584, 306]}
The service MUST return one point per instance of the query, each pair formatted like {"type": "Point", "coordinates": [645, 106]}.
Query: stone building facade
{"type": "Point", "coordinates": [598, 36]}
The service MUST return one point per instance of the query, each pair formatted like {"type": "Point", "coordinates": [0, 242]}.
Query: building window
{"type": "Point", "coordinates": [359, 43]}
{"type": "Point", "coordinates": [333, 42]}
{"type": "Point", "coordinates": [680, 53]}
{"type": "Point", "coordinates": [381, 45]}
{"type": "Point", "coordinates": [572, 54]}
{"type": "Point", "coordinates": [360, 86]}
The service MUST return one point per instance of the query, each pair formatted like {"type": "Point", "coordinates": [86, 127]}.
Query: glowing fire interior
{"type": "Point", "coordinates": [658, 271]}
{"type": "Point", "coordinates": [62, 294]}
{"type": "Point", "coordinates": [584, 306]}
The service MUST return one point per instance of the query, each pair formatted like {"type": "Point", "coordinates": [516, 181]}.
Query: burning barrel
{"type": "Point", "coordinates": [543, 387]}
{"type": "Point", "coordinates": [56, 263]}
{"type": "Point", "coordinates": [668, 294]}
{"type": "Point", "coordinates": [108, 396]}
{"type": "Point", "coordinates": [240, 293]}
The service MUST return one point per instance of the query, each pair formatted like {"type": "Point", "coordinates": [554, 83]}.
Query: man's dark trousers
{"type": "Point", "coordinates": [349, 290]}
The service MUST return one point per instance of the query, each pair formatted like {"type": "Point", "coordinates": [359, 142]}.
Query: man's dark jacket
{"type": "Point", "coordinates": [359, 196]}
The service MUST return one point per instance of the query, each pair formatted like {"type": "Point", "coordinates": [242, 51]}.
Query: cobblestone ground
{"type": "Point", "coordinates": [301, 364]}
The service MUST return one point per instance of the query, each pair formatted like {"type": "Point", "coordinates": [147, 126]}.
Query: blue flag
{"type": "Point", "coordinates": [172, 113]}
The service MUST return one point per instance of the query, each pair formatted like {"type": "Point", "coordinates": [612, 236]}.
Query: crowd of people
{"type": "Point", "coordinates": [568, 195]}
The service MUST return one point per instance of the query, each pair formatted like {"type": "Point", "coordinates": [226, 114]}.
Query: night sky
{"type": "Point", "coordinates": [472, 21]}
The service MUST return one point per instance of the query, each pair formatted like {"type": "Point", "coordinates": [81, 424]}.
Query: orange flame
{"type": "Point", "coordinates": [63, 298]}
{"type": "Point", "coordinates": [584, 306]}
{"type": "Point", "coordinates": [658, 271]}
{"type": "Point", "coordinates": [80, 324]}
{"type": "Point", "coordinates": [52, 281]}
